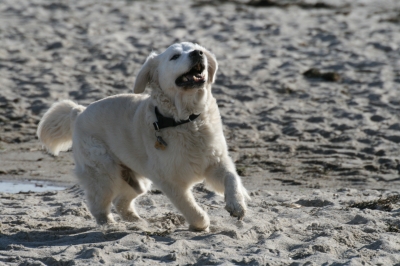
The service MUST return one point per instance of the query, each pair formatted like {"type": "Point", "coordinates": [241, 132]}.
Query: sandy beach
{"type": "Point", "coordinates": [309, 94]}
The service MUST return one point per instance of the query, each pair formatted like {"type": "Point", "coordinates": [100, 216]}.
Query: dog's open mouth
{"type": "Point", "coordinates": [195, 77]}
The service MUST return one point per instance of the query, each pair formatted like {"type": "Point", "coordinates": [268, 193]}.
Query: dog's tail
{"type": "Point", "coordinates": [56, 126]}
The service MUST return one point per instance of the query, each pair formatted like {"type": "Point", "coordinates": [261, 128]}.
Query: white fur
{"type": "Point", "coordinates": [55, 128]}
{"type": "Point", "coordinates": [116, 134]}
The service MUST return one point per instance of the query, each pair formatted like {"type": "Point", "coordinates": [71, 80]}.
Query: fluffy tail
{"type": "Point", "coordinates": [55, 127]}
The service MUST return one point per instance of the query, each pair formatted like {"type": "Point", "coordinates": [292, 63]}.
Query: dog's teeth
{"type": "Point", "coordinates": [184, 79]}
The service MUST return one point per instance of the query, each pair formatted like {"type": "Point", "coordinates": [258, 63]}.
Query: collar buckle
{"type": "Point", "coordinates": [156, 127]}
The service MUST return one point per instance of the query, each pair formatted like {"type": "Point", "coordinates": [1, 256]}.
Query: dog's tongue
{"type": "Point", "coordinates": [191, 77]}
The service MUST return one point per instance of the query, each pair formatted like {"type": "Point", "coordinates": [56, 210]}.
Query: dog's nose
{"type": "Point", "coordinates": [196, 54]}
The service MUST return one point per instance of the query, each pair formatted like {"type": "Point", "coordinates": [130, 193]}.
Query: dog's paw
{"type": "Point", "coordinates": [197, 229]}
{"type": "Point", "coordinates": [130, 217]}
{"type": "Point", "coordinates": [104, 219]}
{"type": "Point", "coordinates": [236, 208]}
{"type": "Point", "coordinates": [201, 223]}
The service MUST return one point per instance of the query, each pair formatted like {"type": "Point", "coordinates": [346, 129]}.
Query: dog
{"type": "Point", "coordinates": [172, 138]}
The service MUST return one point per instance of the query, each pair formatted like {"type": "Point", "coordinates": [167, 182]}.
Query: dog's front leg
{"type": "Point", "coordinates": [224, 179]}
{"type": "Point", "coordinates": [182, 197]}
{"type": "Point", "coordinates": [234, 195]}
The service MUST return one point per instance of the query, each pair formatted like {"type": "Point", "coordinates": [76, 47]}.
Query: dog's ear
{"type": "Point", "coordinates": [212, 65]}
{"type": "Point", "coordinates": [145, 74]}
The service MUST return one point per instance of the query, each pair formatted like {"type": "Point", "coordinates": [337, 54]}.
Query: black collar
{"type": "Point", "coordinates": [163, 122]}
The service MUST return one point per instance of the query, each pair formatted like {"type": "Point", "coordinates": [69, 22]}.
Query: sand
{"type": "Point", "coordinates": [319, 153]}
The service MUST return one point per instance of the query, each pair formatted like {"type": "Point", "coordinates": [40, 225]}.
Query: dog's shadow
{"type": "Point", "coordinates": [59, 236]}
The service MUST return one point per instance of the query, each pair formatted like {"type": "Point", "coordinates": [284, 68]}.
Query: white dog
{"type": "Point", "coordinates": [172, 137]}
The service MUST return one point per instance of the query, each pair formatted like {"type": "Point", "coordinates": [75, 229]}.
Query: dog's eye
{"type": "Point", "coordinates": [175, 57]}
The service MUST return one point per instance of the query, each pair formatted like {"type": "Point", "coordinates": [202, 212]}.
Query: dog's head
{"type": "Point", "coordinates": [183, 67]}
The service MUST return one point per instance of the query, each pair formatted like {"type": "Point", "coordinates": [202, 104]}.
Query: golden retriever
{"type": "Point", "coordinates": [172, 137]}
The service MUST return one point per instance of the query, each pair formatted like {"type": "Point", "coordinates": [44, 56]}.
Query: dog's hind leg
{"type": "Point", "coordinates": [130, 187]}
{"type": "Point", "coordinates": [99, 194]}
{"type": "Point", "coordinates": [184, 201]}
{"type": "Point", "coordinates": [124, 205]}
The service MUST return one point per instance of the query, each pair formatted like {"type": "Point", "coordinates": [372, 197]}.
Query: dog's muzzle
{"type": "Point", "coordinates": [196, 76]}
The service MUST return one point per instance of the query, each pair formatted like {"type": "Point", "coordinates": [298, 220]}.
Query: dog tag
{"type": "Point", "coordinates": [160, 144]}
